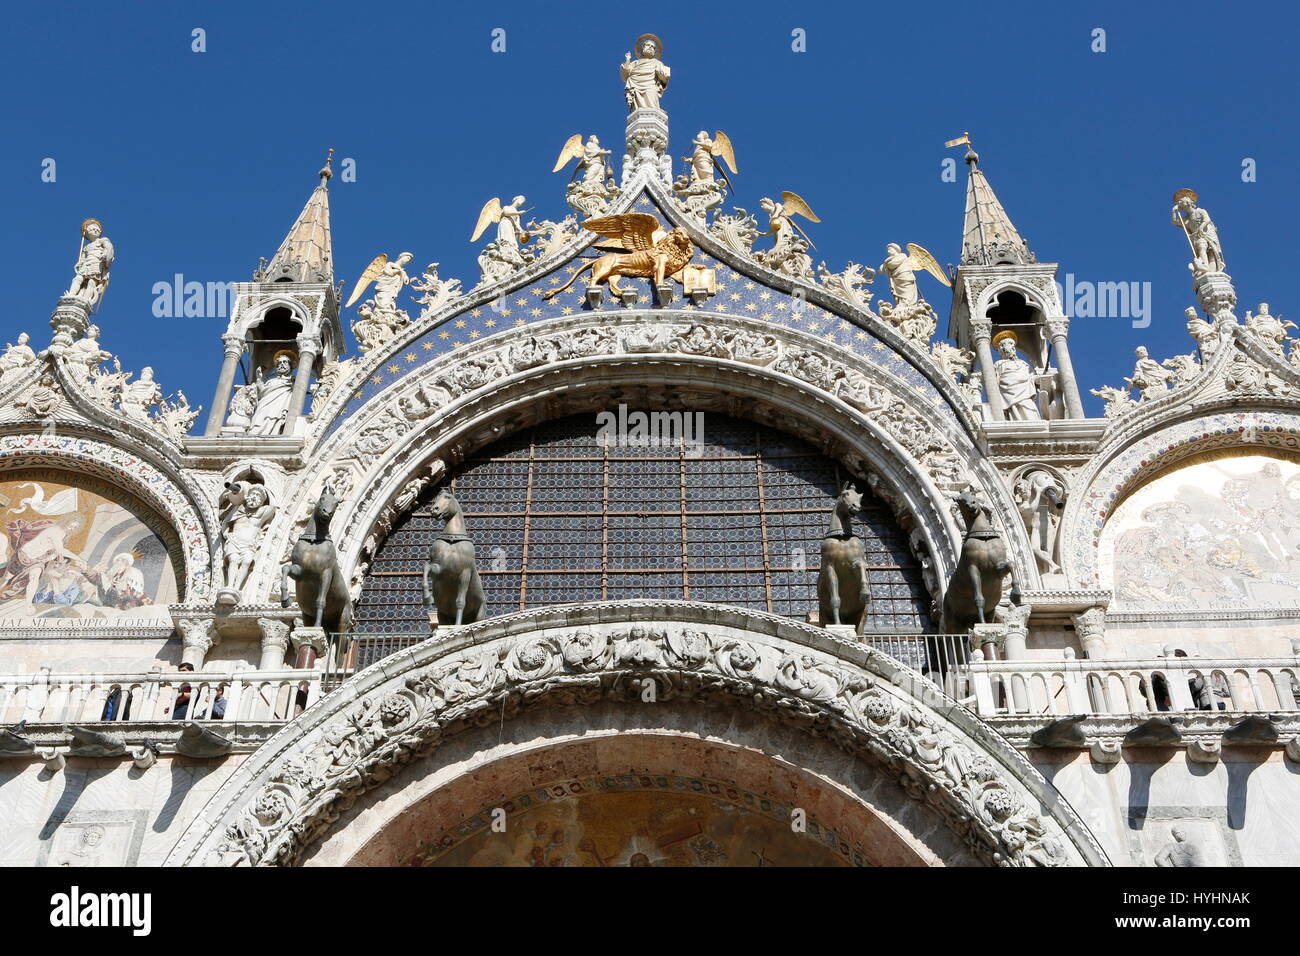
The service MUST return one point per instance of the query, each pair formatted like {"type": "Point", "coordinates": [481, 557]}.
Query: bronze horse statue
{"type": "Point", "coordinates": [320, 586]}
{"type": "Point", "coordinates": [976, 585]}
{"type": "Point", "coordinates": [451, 580]}
{"type": "Point", "coordinates": [843, 592]}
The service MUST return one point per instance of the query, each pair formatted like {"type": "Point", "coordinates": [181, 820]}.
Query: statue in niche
{"type": "Point", "coordinates": [1015, 381]}
{"type": "Point", "coordinates": [249, 512]}
{"type": "Point", "coordinates": [94, 260]}
{"type": "Point", "coordinates": [1202, 236]}
{"type": "Point", "coordinates": [273, 392]}
{"type": "Point", "coordinates": [1041, 499]}
{"type": "Point", "coordinates": [646, 77]}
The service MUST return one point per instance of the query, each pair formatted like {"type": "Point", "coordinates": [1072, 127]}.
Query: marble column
{"type": "Point", "coordinates": [197, 638]}
{"type": "Point", "coordinates": [309, 346]}
{"type": "Point", "coordinates": [982, 329]}
{"type": "Point", "coordinates": [234, 346]}
{"type": "Point", "coordinates": [275, 642]}
{"type": "Point", "coordinates": [1056, 330]}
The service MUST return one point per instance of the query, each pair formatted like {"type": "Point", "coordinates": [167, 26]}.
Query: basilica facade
{"type": "Point", "coordinates": [659, 544]}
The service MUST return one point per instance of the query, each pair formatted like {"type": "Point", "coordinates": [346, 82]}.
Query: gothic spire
{"type": "Point", "coordinates": [988, 237]}
{"type": "Point", "coordinates": [306, 255]}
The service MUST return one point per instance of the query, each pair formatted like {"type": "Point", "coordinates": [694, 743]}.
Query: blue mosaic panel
{"type": "Point", "coordinates": [557, 517]}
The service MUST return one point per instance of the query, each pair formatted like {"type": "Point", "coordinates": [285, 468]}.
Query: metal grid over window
{"type": "Point", "coordinates": [558, 517]}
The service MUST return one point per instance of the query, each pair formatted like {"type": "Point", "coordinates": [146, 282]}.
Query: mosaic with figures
{"type": "Point", "coordinates": [559, 516]}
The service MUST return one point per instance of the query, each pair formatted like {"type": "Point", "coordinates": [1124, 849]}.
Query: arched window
{"type": "Point", "coordinates": [558, 517]}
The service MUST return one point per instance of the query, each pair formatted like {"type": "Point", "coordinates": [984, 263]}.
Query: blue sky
{"type": "Point", "coordinates": [198, 162]}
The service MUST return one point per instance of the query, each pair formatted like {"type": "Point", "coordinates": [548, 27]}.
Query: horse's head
{"type": "Point", "coordinates": [326, 505]}
{"type": "Point", "coordinates": [849, 501]}
{"type": "Point", "coordinates": [970, 506]}
{"type": "Point", "coordinates": [445, 505]}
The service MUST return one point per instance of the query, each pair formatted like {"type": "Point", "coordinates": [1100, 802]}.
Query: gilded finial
{"type": "Point", "coordinates": [326, 172]}
{"type": "Point", "coordinates": [971, 157]}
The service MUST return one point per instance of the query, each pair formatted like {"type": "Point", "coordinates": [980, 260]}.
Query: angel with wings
{"type": "Point", "coordinates": [389, 279]}
{"type": "Point", "coordinates": [704, 158]}
{"type": "Point", "coordinates": [900, 267]}
{"type": "Point", "coordinates": [94, 261]}
{"type": "Point", "coordinates": [780, 218]}
{"type": "Point", "coordinates": [509, 232]}
{"type": "Point", "coordinates": [646, 252]}
{"type": "Point", "coordinates": [591, 194]}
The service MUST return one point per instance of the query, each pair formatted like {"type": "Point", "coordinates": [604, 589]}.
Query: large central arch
{"type": "Point", "coordinates": [866, 728]}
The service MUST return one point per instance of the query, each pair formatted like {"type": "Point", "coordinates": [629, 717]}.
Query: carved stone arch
{"type": "Point", "coordinates": [266, 303]}
{"type": "Point", "coordinates": [1120, 470]}
{"type": "Point", "coordinates": [1035, 296]}
{"type": "Point", "coordinates": [764, 395]}
{"type": "Point", "coordinates": [725, 670]}
{"type": "Point", "coordinates": [180, 504]}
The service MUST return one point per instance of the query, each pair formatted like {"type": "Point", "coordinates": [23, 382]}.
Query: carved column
{"type": "Point", "coordinates": [982, 329]}
{"type": "Point", "coordinates": [309, 643]}
{"type": "Point", "coordinates": [69, 322]}
{"type": "Point", "coordinates": [197, 638]}
{"type": "Point", "coordinates": [309, 347]}
{"type": "Point", "coordinates": [1056, 329]}
{"type": "Point", "coordinates": [234, 346]}
{"type": "Point", "coordinates": [1017, 622]}
{"type": "Point", "coordinates": [1090, 625]}
{"type": "Point", "coordinates": [275, 642]}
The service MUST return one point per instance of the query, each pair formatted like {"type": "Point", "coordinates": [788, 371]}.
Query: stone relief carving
{"type": "Point", "coordinates": [848, 283]}
{"type": "Point", "coordinates": [377, 734]}
{"type": "Point", "coordinates": [737, 231]}
{"type": "Point", "coordinates": [17, 356]}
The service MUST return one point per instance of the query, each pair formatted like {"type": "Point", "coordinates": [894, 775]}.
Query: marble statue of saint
{"type": "Point", "coordinates": [241, 532]}
{"type": "Point", "coordinates": [273, 394]}
{"type": "Point", "coordinates": [86, 352]}
{"type": "Point", "coordinates": [17, 355]}
{"type": "Point", "coordinates": [1148, 374]}
{"type": "Point", "coordinates": [1179, 851]}
{"type": "Point", "coordinates": [90, 275]}
{"type": "Point", "coordinates": [1207, 253]}
{"type": "Point", "coordinates": [645, 78]}
{"type": "Point", "coordinates": [1016, 384]}
{"type": "Point", "coordinates": [141, 395]}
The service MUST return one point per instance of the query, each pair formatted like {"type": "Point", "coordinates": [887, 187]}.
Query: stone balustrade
{"type": "Point", "coordinates": [250, 695]}
{"type": "Point", "coordinates": [1087, 686]}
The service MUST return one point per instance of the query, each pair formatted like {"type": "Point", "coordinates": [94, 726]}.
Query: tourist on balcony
{"type": "Point", "coordinates": [182, 702]}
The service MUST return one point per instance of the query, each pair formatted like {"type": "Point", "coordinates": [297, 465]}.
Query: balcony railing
{"type": "Point", "coordinates": [249, 695]}
{"type": "Point", "coordinates": [1085, 686]}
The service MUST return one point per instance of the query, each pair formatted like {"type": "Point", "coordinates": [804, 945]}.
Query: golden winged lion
{"type": "Point", "coordinates": [652, 253]}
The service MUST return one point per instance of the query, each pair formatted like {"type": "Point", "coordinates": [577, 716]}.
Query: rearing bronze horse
{"type": "Point", "coordinates": [451, 579]}
{"type": "Point", "coordinates": [976, 585]}
{"type": "Point", "coordinates": [320, 586]}
{"type": "Point", "coordinates": [843, 591]}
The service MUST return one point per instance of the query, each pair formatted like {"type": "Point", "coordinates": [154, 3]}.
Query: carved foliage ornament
{"type": "Point", "coordinates": [370, 741]}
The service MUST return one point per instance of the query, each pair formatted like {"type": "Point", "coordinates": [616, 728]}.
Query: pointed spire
{"type": "Point", "coordinates": [988, 237]}
{"type": "Point", "coordinates": [306, 254]}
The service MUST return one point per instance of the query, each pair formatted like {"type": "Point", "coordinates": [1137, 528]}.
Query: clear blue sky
{"type": "Point", "coordinates": [198, 162]}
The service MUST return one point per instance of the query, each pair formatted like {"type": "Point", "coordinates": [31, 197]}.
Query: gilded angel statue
{"type": "Point", "coordinates": [900, 268]}
{"type": "Point", "coordinates": [780, 221]}
{"type": "Point", "coordinates": [704, 157]}
{"type": "Point", "coordinates": [591, 194]}
{"type": "Point", "coordinates": [506, 218]}
{"type": "Point", "coordinates": [389, 279]}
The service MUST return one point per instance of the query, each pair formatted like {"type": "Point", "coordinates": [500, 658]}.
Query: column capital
{"type": "Point", "coordinates": [198, 636]}
{"type": "Point", "coordinates": [1058, 326]}
{"type": "Point", "coordinates": [233, 343]}
{"type": "Point", "coordinates": [1090, 625]}
{"type": "Point", "coordinates": [981, 328]}
{"type": "Point", "coordinates": [309, 343]}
